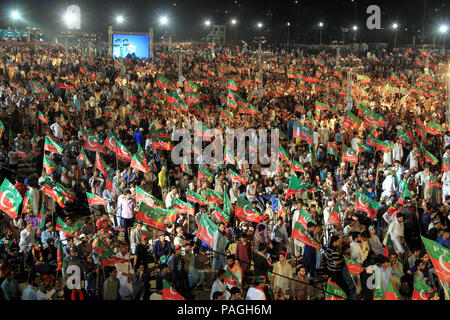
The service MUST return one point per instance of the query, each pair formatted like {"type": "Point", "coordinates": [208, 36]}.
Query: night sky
{"type": "Point", "coordinates": [187, 17]}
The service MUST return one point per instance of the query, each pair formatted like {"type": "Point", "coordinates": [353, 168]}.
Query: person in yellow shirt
{"type": "Point", "coordinates": [162, 182]}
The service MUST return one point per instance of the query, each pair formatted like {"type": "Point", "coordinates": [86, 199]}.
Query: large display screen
{"type": "Point", "coordinates": [125, 44]}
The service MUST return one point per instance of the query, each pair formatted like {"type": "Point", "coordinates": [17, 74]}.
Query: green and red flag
{"type": "Point", "coordinates": [10, 199]}
{"type": "Point", "coordinates": [142, 196]}
{"type": "Point", "coordinates": [362, 78]}
{"type": "Point", "coordinates": [245, 211]}
{"type": "Point", "coordinates": [59, 256]}
{"type": "Point", "coordinates": [93, 144]}
{"type": "Point", "coordinates": [332, 149]}
{"type": "Point", "coordinates": [403, 136]}
{"type": "Point", "coordinates": [302, 133]}
{"type": "Point", "coordinates": [162, 145]}
{"type": "Point", "coordinates": [204, 174]}
{"type": "Point", "coordinates": [333, 218]}
{"type": "Point", "coordinates": [297, 185]}
{"type": "Point", "coordinates": [65, 85]}
{"type": "Point", "coordinates": [206, 230]}
{"type": "Point", "coordinates": [333, 292]}
{"type": "Point", "coordinates": [440, 258]}
{"type": "Point", "coordinates": [349, 155]}
{"type": "Point", "coordinates": [367, 205]}
{"type": "Point", "coordinates": [195, 197]}
{"type": "Point", "coordinates": [52, 146]}
{"type": "Point", "coordinates": [228, 157]}
{"type": "Point", "coordinates": [23, 153]}
{"type": "Point", "coordinates": [351, 120]}
{"type": "Point", "coordinates": [300, 233]}
{"type": "Point", "coordinates": [49, 165]}
{"type": "Point", "coordinates": [213, 196]}
{"type": "Point", "coordinates": [392, 292]}
{"type": "Point", "coordinates": [403, 185]}
{"type": "Point", "coordinates": [70, 230]}
{"type": "Point", "coordinates": [283, 154]}
{"type": "Point", "coordinates": [162, 82]}
{"type": "Point", "coordinates": [101, 165]}
{"type": "Point", "coordinates": [297, 167]}
{"type": "Point", "coordinates": [95, 200]}
{"type": "Point", "coordinates": [27, 204]}
{"type": "Point", "coordinates": [13, 85]}
{"type": "Point", "coordinates": [2, 129]}
{"type": "Point", "coordinates": [235, 177]}
{"type": "Point", "coordinates": [322, 106]}
{"type": "Point", "coordinates": [434, 128]}
{"type": "Point", "coordinates": [304, 218]}
{"type": "Point", "coordinates": [227, 209]}
{"type": "Point", "coordinates": [389, 247]}
{"type": "Point", "coordinates": [185, 167]}
{"type": "Point", "coordinates": [219, 215]}
{"type": "Point", "coordinates": [281, 210]}
{"type": "Point", "coordinates": [183, 207]}
{"type": "Point", "coordinates": [429, 157]}
{"type": "Point", "coordinates": [139, 161]}
{"type": "Point", "coordinates": [230, 278]}
{"type": "Point", "coordinates": [434, 183]}
{"type": "Point", "coordinates": [445, 164]}
{"type": "Point", "coordinates": [168, 293]}
{"type": "Point", "coordinates": [421, 290]}
{"type": "Point", "coordinates": [42, 216]}
{"type": "Point", "coordinates": [83, 157]}
{"type": "Point", "coordinates": [354, 267]}
{"type": "Point", "coordinates": [151, 217]}
{"type": "Point", "coordinates": [232, 85]}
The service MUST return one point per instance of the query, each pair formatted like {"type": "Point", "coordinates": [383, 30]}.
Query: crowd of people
{"type": "Point", "coordinates": [361, 178]}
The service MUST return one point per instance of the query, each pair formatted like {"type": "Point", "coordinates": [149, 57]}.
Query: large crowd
{"type": "Point", "coordinates": [356, 208]}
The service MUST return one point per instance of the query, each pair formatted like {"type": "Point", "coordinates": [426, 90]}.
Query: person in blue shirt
{"type": "Point", "coordinates": [139, 136]}
{"type": "Point", "coordinates": [29, 293]}
{"type": "Point", "coordinates": [444, 239]}
{"type": "Point", "coordinates": [48, 234]}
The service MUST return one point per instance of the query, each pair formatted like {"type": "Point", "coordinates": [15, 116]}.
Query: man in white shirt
{"type": "Point", "coordinates": [396, 231]}
{"type": "Point", "coordinates": [257, 292]}
{"type": "Point", "coordinates": [413, 158]}
{"type": "Point", "coordinates": [397, 151]}
{"type": "Point", "coordinates": [57, 130]}
{"type": "Point", "coordinates": [388, 185]}
{"type": "Point", "coordinates": [171, 196]}
{"type": "Point", "coordinates": [355, 247]}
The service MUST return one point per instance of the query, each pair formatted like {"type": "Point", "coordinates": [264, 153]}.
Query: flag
{"type": "Point", "coordinates": [349, 155]}
{"type": "Point", "coordinates": [213, 196]}
{"type": "Point", "coordinates": [403, 136]}
{"type": "Point", "coordinates": [93, 144]}
{"type": "Point", "coordinates": [421, 290]}
{"type": "Point", "coordinates": [2, 129]}
{"type": "Point", "coordinates": [302, 133]}
{"type": "Point", "coordinates": [10, 199]}
{"type": "Point", "coordinates": [296, 185]}
{"type": "Point", "coordinates": [49, 165]}
{"type": "Point", "coordinates": [235, 177]}
{"type": "Point", "coordinates": [195, 197]}
{"type": "Point", "coordinates": [183, 207]}
{"type": "Point", "coordinates": [354, 267]}
{"type": "Point", "coordinates": [367, 205]}
{"type": "Point", "coordinates": [226, 204]}
{"type": "Point", "coordinates": [392, 292]}
{"type": "Point", "coordinates": [245, 211]}
{"type": "Point", "coordinates": [101, 165]}
{"type": "Point", "coordinates": [66, 85]}
{"type": "Point", "coordinates": [220, 215]}
{"type": "Point", "coordinates": [42, 216]}
{"type": "Point", "coordinates": [204, 174]}
{"type": "Point", "coordinates": [429, 157]}
{"type": "Point", "coordinates": [185, 167]}
{"type": "Point", "coordinates": [301, 234]}
{"type": "Point", "coordinates": [333, 218]}
{"type": "Point", "coordinates": [304, 218]}
{"type": "Point", "coordinates": [297, 167]}
{"type": "Point", "coordinates": [150, 216]}
{"type": "Point", "coordinates": [389, 247]}
{"type": "Point", "coordinates": [59, 256]}
{"type": "Point", "coordinates": [403, 185]}
{"type": "Point", "coordinates": [206, 230]}
{"type": "Point", "coordinates": [70, 230]}
{"type": "Point", "coordinates": [333, 292]}
{"type": "Point", "coordinates": [232, 85]}
{"type": "Point", "coordinates": [52, 146]}
{"type": "Point", "coordinates": [434, 128]}
{"type": "Point", "coordinates": [83, 157]}
{"type": "Point", "coordinates": [95, 200]}
{"type": "Point", "coordinates": [228, 158]}
{"type": "Point", "coordinates": [322, 106]}
{"type": "Point", "coordinates": [362, 78]}
{"type": "Point", "coordinates": [332, 149]}
{"type": "Point", "coordinates": [230, 278]}
{"type": "Point", "coordinates": [281, 210]}
{"type": "Point", "coordinates": [139, 161]}
{"type": "Point", "coordinates": [351, 120]}
{"type": "Point", "coordinates": [283, 155]}
{"type": "Point", "coordinates": [445, 164]}
{"type": "Point", "coordinates": [162, 145]}
{"type": "Point", "coordinates": [434, 183]}
{"type": "Point", "coordinates": [162, 82]}
{"type": "Point", "coordinates": [27, 204]}
{"type": "Point", "coordinates": [168, 293]}
{"type": "Point", "coordinates": [440, 257]}
{"type": "Point", "coordinates": [118, 148]}
{"type": "Point", "coordinates": [142, 196]}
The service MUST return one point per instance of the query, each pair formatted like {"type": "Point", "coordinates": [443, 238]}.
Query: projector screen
{"type": "Point", "coordinates": [124, 44]}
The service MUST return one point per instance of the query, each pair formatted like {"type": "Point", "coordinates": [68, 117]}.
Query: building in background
{"type": "Point", "coordinates": [217, 33]}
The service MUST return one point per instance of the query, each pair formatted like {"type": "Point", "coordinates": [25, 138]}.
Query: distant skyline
{"type": "Point", "coordinates": [186, 18]}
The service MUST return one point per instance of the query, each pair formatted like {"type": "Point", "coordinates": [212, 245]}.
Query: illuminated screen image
{"type": "Point", "coordinates": [125, 44]}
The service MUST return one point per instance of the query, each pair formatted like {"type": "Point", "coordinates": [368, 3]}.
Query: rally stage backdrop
{"type": "Point", "coordinates": [124, 44]}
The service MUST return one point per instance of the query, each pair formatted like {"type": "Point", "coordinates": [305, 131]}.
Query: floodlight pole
{"type": "Point", "coordinates": [261, 93]}
{"type": "Point", "coordinates": [110, 41]}
{"type": "Point", "coordinates": [150, 39]}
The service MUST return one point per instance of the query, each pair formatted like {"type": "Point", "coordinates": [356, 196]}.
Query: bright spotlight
{"type": "Point", "coordinates": [443, 28]}
{"type": "Point", "coordinates": [119, 19]}
{"type": "Point", "coordinates": [15, 15]}
{"type": "Point", "coordinates": [233, 21]}
{"type": "Point", "coordinates": [260, 25]}
{"type": "Point", "coordinates": [395, 26]}
{"type": "Point", "coordinates": [207, 23]}
{"type": "Point", "coordinates": [321, 24]}
{"type": "Point", "coordinates": [163, 20]}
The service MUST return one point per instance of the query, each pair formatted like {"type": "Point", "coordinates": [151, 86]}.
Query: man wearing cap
{"type": "Point", "coordinates": [10, 286]}
{"type": "Point", "coordinates": [396, 232]}
{"type": "Point", "coordinates": [48, 234]}
{"type": "Point", "coordinates": [142, 256]}
{"type": "Point", "coordinates": [257, 292]}
{"type": "Point", "coordinates": [374, 242]}
{"type": "Point", "coordinates": [282, 272]}
{"type": "Point", "coordinates": [176, 268]}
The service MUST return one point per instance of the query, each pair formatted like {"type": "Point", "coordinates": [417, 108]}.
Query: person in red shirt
{"type": "Point", "coordinates": [22, 188]}
{"type": "Point", "coordinates": [243, 256]}
{"type": "Point", "coordinates": [103, 223]}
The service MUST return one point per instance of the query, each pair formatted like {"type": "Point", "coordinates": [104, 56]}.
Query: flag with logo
{"type": "Point", "coordinates": [10, 199]}
{"type": "Point", "coordinates": [245, 211]}
{"type": "Point", "coordinates": [440, 258]}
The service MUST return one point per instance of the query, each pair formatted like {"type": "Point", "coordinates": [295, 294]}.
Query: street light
{"type": "Point", "coordinates": [260, 25]}
{"type": "Point", "coordinates": [207, 23]}
{"type": "Point", "coordinates": [395, 27]}
{"type": "Point", "coordinates": [15, 15]}
{"type": "Point", "coordinates": [288, 28]}
{"type": "Point", "coordinates": [233, 22]}
{"type": "Point", "coordinates": [355, 29]}
{"type": "Point", "coordinates": [320, 30]}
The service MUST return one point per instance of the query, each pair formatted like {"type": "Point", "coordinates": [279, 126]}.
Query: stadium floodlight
{"type": "Point", "coordinates": [69, 18]}
{"type": "Point", "coordinates": [395, 26]}
{"type": "Point", "coordinates": [207, 23]}
{"type": "Point", "coordinates": [119, 19]}
{"type": "Point", "coordinates": [164, 20]}
{"type": "Point", "coordinates": [443, 28]}
{"type": "Point", "coordinates": [355, 28]}
{"type": "Point", "coordinates": [234, 21]}
{"type": "Point", "coordinates": [321, 24]}
{"type": "Point", "coordinates": [260, 25]}
{"type": "Point", "coordinates": [15, 15]}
